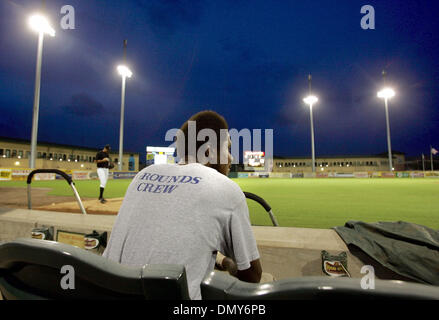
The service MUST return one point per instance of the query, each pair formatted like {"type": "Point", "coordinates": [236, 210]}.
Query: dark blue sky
{"type": "Point", "coordinates": [247, 60]}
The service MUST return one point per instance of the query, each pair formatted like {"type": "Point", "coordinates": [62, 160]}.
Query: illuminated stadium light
{"type": "Point", "coordinates": [386, 93]}
{"type": "Point", "coordinates": [310, 100]}
{"type": "Point", "coordinates": [82, 166]}
{"type": "Point", "coordinates": [40, 24]}
{"type": "Point", "coordinates": [124, 71]}
{"type": "Point", "coordinates": [17, 163]}
{"type": "Point", "coordinates": [51, 159]}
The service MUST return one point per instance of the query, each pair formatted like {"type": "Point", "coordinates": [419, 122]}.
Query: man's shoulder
{"type": "Point", "coordinates": [219, 182]}
{"type": "Point", "coordinates": [225, 185]}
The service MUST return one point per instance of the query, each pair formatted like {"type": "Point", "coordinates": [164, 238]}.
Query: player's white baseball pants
{"type": "Point", "coordinates": [103, 176]}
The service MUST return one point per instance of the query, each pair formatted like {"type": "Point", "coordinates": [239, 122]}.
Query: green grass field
{"type": "Point", "coordinates": [310, 203]}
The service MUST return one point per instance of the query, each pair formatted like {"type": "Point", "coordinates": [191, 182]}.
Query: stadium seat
{"type": "Point", "coordinates": [220, 286]}
{"type": "Point", "coordinates": [31, 269]}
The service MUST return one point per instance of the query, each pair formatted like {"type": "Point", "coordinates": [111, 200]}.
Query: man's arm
{"type": "Point", "coordinates": [252, 274]}
{"type": "Point", "coordinates": [241, 244]}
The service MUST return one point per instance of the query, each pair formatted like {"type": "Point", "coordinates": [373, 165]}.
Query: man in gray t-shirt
{"type": "Point", "coordinates": [185, 213]}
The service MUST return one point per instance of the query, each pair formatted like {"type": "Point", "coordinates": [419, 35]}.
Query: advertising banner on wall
{"type": "Point", "coordinates": [322, 175]}
{"type": "Point", "coordinates": [5, 174]}
{"type": "Point", "coordinates": [431, 174]}
{"type": "Point", "coordinates": [44, 176]}
{"type": "Point", "coordinates": [402, 174]}
{"type": "Point", "coordinates": [93, 175]}
{"type": "Point", "coordinates": [297, 175]}
{"type": "Point", "coordinates": [20, 174]}
{"type": "Point", "coordinates": [387, 175]}
{"type": "Point", "coordinates": [124, 175]}
{"type": "Point", "coordinates": [344, 175]}
{"type": "Point", "coordinates": [279, 174]}
{"type": "Point", "coordinates": [81, 175]}
{"type": "Point", "coordinates": [417, 174]}
{"type": "Point", "coordinates": [242, 175]}
{"type": "Point", "coordinates": [361, 175]}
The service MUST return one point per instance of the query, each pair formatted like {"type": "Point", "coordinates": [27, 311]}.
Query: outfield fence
{"type": "Point", "coordinates": [12, 174]}
{"type": "Point", "coordinates": [358, 175]}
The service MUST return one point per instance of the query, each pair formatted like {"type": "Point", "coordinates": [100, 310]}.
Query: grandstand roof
{"type": "Point", "coordinates": [69, 146]}
{"type": "Point", "coordinates": [380, 155]}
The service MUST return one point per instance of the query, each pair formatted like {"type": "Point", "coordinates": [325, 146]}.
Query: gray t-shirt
{"type": "Point", "coordinates": [182, 214]}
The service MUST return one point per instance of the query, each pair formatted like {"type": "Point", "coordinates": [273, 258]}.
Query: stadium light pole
{"type": "Point", "coordinates": [386, 94]}
{"type": "Point", "coordinates": [124, 72]}
{"type": "Point", "coordinates": [41, 25]}
{"type": "Point", "coordinates": [311, 100]}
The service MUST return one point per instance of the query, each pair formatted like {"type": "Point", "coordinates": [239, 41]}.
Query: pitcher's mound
{"type": "Point", "coordinates": [112, 206]}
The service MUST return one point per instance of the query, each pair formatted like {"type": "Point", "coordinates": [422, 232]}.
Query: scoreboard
{"type": "Point", "coordinates": [159, 155]}
{"type": "Point", "coordinates": [254, 160]}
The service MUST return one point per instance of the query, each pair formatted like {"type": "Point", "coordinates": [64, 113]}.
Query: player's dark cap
{"type": "Point", "coordinates": [107, 146]}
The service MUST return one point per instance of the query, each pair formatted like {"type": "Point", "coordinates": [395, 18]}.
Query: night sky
{"type": "Point", "coordinates": [247, 60]}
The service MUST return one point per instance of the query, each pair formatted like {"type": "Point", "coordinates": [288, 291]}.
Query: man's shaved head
{"type": "Point", "coordinates": [204, 120]}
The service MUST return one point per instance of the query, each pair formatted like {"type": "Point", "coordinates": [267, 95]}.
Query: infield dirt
{"type": "Point", "coordinates": [41, 200]}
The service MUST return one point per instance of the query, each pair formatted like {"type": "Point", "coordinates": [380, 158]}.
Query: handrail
{"type": "Point", "coordinates": [62, 174]}
{"type": "Point", "coordinates": [263, 203]}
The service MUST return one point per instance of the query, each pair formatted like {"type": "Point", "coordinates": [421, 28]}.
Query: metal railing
{"type": "Point", "coordinates": [62, 174]}
{"type": "Point", "coordinates": [263, 203]}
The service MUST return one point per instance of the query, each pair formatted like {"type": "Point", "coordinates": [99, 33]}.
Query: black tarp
{"type": "Point", "coordinates": [408, 249]}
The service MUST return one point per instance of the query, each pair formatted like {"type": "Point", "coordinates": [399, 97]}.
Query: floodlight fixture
{"type": "Point", "coordinates": [310, 100]}
{"type": "Point", "coordinates": [386, 93]}
{"type": "Point", "coordinates": [41, 24]}
{"type": "Point", "coordinates": [124, 71]}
